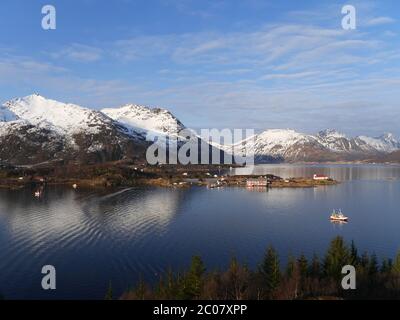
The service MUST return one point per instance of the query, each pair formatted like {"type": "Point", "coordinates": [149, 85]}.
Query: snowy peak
{"type": "Point", "coordinates": [61, 117]}
{"type": "Point", "coordinates": [74, 132]}
{"type": "Point", "coordinates": [385, 143]}
{"type": "Point", "coordinates": [145, 120]}
{"type": "Point", "coordinates": [281, 134]}
{"type": "Point", "coordinates": [69, 119]}
{"type": "Point", "coordinates": [329, 145]}
{"type": "Point", "coordinates": [282, 137]}
{"type": "Point", "coordinates": [331, 133]}
{"type": "Point", "coordinates": [275, 144]}
{"type": "Point", "coordinates": [49, 130]}
{"type": "Point", "coordinates": [334, 140]}
{"type": "Point", "coordinates": [390, 139]}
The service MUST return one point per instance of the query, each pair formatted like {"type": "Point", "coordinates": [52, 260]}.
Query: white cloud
{"type": "Point", "coordinates": [380, 21]}
{"type": "Point", "coordinates": [271, 76]}
{"type": "Point", "coordinates": [288, 76]}
{"type": "Point", "coordinates": [80, 53]}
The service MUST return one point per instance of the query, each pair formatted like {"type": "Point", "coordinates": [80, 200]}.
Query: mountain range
{"type": "Point", "coordinates": [36, 130]}
{"type": "Point", "coordinates": [330, 145]}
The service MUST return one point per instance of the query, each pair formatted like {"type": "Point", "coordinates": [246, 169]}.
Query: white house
{"type": "Point", "coordinates": [260, 182]}
{"type": "Point", "coordinates": [320, 177]}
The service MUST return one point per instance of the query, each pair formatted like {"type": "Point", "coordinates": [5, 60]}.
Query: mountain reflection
{"type": "Point", "coordinates": [63, 215]}
{"type": "Point", "coordinates": [338, 172]}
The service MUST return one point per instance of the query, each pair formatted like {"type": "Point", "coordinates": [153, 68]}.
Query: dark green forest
{"type": "Point", "coordinates": [301, 278]}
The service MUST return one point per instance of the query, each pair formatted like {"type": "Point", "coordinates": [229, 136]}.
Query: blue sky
{"type": "Point", "coordinates": [258, 64]}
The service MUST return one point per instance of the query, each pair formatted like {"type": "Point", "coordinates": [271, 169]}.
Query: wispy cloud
{"type": "Point", "coordinates": [279, 74]}
{"type": "Point", "coordinates": [80, 53]}
{"type": "Point", "coordinates": [380, 21]}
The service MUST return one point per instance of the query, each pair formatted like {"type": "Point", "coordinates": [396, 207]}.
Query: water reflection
{"type": "Point", "coordinates": [62, 213]}
{"type": "Point", "coordinates": [338, 172]}
{"type": "Point", "coordinates": [93, 237]}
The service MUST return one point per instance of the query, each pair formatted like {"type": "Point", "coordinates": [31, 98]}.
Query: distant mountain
{"type": "Point", "coordinates": [34, 130]}
{"type": "Point", "coordinates": [329, 145]}
{"type": "Point", "coordinates": [393, 157]}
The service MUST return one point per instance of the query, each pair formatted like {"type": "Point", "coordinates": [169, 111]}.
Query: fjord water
{"type": "Point", "coordinates": [95, 238]}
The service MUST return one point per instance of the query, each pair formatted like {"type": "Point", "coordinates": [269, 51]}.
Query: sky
{"type": "Point", "coordinates": [257, 64]}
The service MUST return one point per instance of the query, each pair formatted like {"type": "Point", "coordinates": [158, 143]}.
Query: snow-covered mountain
{"type": "Point", "coordinates": [64, 118]}
{"type": "Point", "coordinates": [386, 143]}
{"type": "Point", "coordinates": [145, 121]}
{"type": "Point", "coordinates": [328, 145]}
{"type": "Point", "coordinates": [34, 129]}
{"type": "Point", "coordinates": [37, 129]}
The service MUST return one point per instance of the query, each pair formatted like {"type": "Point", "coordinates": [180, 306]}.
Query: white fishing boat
{"type": "Point", "coordinates": [338, 216]}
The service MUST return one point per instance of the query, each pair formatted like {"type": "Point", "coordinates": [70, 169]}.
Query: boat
{"type": "Point", "coordinates": [338, 216]}
{"type": "Point", "coordinates": [38, 192]}
{"type": "Point", "coordinates": [215, 185]}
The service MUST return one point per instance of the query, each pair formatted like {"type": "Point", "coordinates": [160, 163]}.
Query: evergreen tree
{"type": "Point", "coordinates": [171, 284]}
{"type": "Point", "coordinates": [373, 265]}
{"type": "Point", "coordinates": [387, 265]}
{"type": "Point", "coordinates": [303, 266]}
{"type": "Point", "coordinates": [237, 280]}
{"type": "Point", "coordinates": [364, 261]}
{"type": "Point", "coordinates": [396, 264]}
{"type": "Point", "coordinates": [315, 267]}
{"type": "Point", "coordinates": [140, 290]}
{"type": "Point", "coordinates": [109, 294]}
{"type": "Point", "coordinates": [355, 259]}
{"type": "Point", "coordinates": [337, 257]}
{"type": "Point", "coordinates": [271, 270]}
{"type": "Point", "coordinates": [291, 265]}
{"type": "Point", "coordinates": [193, 279]}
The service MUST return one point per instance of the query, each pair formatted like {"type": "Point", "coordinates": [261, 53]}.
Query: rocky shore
{"type": "Point", "coordinates": [121, 174]}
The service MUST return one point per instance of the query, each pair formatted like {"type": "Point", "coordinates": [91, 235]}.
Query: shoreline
{"type": "Point", "coordinates": [174, 182]}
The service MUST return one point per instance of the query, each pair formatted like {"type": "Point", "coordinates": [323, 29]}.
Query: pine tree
{"type": "Point", "coordinates": [373, 265]}
{"type": "Point", "coordinates": [271, 270]}
{"type": "Point", "coordinates": [171, 284]}
{"type": "Point", "coordinates": [303, 266]}
{"type": "Point", "coordinates": [290, 268]}
{"type": "Point", "coordinates": [315, 267]}
{"type": "Point", "coordinates": [140, 290]}
{"type": "Point", "coordinates": [355, 259]}
{"type": "Point", "coordinates": [193, 279]}
{"type": "Point", "coordinates": [236, 280]}
{"type": "Point", "coordinates": [364, 261]}
{"type": "Point", "coordinates": [109, 294]}
{"type": "Point", "coordinates": [387, 265]}
{"type": "Point", "coordinates": [337, 257]}
{"type": "Point", "coordinates": [396, 264]}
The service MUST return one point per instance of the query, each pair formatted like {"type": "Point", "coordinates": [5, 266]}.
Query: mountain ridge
{"type": "Point", "coordinates": [34, 129]}
{"type": "Point", "coordinates": [279, 145]}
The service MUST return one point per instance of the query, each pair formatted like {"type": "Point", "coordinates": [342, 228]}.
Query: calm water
{"type": "Point", "coordinates": [94, 237]}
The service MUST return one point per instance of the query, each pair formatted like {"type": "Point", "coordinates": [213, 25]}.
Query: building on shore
{"type": "Point", "coordinates": [320, 177]}
{"type": "Point", "coordinates": [259, 182]}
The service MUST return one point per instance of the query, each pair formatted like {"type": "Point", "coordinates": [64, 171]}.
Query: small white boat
{"type": "Point", "coordinates": [338, 216]}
